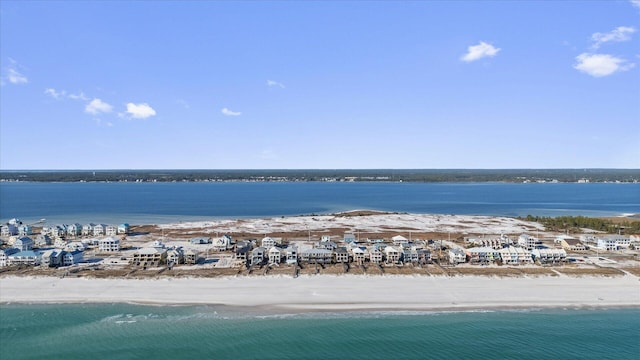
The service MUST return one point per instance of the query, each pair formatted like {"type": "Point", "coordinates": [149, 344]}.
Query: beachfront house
{"type": "Point", "coordinates": [110, 244]}
{"type": "Point", "coordinates": [399, 240]}
{"type": "Point", "coordinates": [275, 255]}
{"type": "Point", "coordinates": [392, 255]}
{"type": "Point", "coordinates": [74, 245]}
{"type": "Point", "coordinates": [457, 256]}
{"type": "Point", "coordinates": [341, 255]}
{"type": "Point", "coordinates": [291, 254]}
{"type": "Point", "coordinates": [324, 238]}
{"type": "Point", "coordinates": [424, 256]}
{"type": "Point", "coordinates": [410, 254]}
{"type": "Point", "coordinates": [549, 256]}
{"type": "Point", "coordinates": [72, 257]}
{"type": "Point", "coordinates": [190, 257]}
{"type": "Point", "coordinates": [51, 258]}
{"type": "Point", "coordinates": [242, 252]}
{"type": "Point", "coordinates": [111, 230]}
{"type": "Point", "coordinates": [87, 229]}
{"type": "Point", "coordinates": [99, 229]}
{"type": "Point", "coordinates": [123, 229]}
{"type": "Point", "coordinates": [360, 255]}
{"type": "Point", "coordinates": [8, 230]}
{"type": "Point", "coordinates": [149, 257]}
{"type": "Point", "coordinates": [528, 242]}
{"type": "Point", "coordinates": [4, 255]}
{"type": "Point", "coordinates": [268, 242]}
{"type": "Point", "coordinates": [74, 230]}
{"type": "Point", "coordinates": [375, 255]}
{"type": "Point", "coordinates": [24, 230]}
{"type": "Point", "coordinates": [316, 256]}
{"type": "Point", "coordinates": [175, 256]}
{"type": "Point", "coordinates": [24, 243]}
{"type": "Point", "coordinates": [28, 257]}
{"type": "Point", "coordinates": [483, 255]}
{"type": "Point", "coordinates": [43, 240]}
{"type": "Point", "coordinates": [512, 255]}
{"type": "Point", "coordinates": [258, 255]}
{"type": "Point", "coordinates": [222, 243]}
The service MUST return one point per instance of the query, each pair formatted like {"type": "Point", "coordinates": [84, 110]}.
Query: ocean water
{"type": "Point", "coordinates": [141, 203]}
{"type": "Point", "coordinates": [123, 331]}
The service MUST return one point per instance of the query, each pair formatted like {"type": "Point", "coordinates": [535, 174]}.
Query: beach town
{"type": "Point", "coordinates": [354, 242]}
{"type": "Point", "coordinates": [340, 261]}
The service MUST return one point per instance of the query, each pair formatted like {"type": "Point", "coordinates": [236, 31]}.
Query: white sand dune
{"type": "Point", "coordinates": [368, 223]}
{"type": "Point", "coordinates": [347, 292]}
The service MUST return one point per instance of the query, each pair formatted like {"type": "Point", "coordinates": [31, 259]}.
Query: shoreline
{"type": "Point", "coordinates": [327, 293]}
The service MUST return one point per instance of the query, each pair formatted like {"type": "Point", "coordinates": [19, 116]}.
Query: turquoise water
{"type": "Point", "coordinates": [123, 331]}
{"type": "Point", "coordinates": [143, 203]}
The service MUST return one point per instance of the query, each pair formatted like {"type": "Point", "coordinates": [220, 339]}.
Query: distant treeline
{"type": "Point", "coordinates": [408, 175]}
{"type": "Point", "coordinates": [574, 224]}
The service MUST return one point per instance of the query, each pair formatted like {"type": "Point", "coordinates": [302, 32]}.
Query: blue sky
{"type": "Point", "coordinates": [259, 85]}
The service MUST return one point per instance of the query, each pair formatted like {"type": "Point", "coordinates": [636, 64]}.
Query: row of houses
{"type": "Point", "coordinates": [85, 230]}
{"type": "Point", "coordinates": [510, 255]}
{"type": "Point", "coordinates": [50, 257]}
{"type": "Point", "coordinates": [324, 253]}
{"type": "Point", "coordinates": [16, 228]}
{"type": "Point", "coordinates": [158, 254]}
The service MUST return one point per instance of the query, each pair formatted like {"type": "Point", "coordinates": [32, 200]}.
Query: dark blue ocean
{"type": "Point", "coordinates": [122, 331]}
{"type": "Point", "coordinates": [138, 203]}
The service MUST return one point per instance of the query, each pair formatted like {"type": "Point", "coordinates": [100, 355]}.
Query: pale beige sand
{"type": "Point", "coordinates": [335, 292]}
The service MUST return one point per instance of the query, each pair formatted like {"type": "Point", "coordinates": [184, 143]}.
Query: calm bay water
{"type": "Point", "coordinates": [138, 203]}
{"type": "Point", "coordinates": [121, 331]}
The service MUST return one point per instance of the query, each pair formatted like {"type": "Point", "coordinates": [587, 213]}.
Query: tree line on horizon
{"type": "Point", "coordinates": [379, 175]}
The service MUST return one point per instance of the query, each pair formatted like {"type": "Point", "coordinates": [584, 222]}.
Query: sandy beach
{"type": "Point", "coordinates": [334, 293]}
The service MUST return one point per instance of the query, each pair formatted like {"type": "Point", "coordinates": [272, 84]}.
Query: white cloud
{"type": "Point", "coordinates": [79, 96]}
{"type": "Point", "coordinates": [619, 34]}
{"type": "Point", "coordinates": [479, 51]}
{"type": "Point", "coordinates": [140, 111]}
{"type": "Point", "coordinates": [599, 65]}
{"type": "Point", "coordinates": [16, 78]}
{"type": "Point", "coordinates": [62, 94]}
{"type": "Point", "coordinates": [228, 112]}
{"type": "Point", "coordinates": [97, 106]}
{"type": "Point", "coordinates": [635, 3]}
{"type": "Point", "coordinates": [55, 94]}
{"type": "Point", "coordinates": [272, 83]}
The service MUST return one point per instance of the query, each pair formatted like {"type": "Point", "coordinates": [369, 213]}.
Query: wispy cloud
{"type": "Point", "coordinates": [228, 112]}
{"type": "Point", "coordinates": [273, 83]}
{"type": "Point", "coordinates": [619, 34]}
{"type": "Point", "coordinates": [476, 52]}
{"type": "Point", "coordinates": [62, 94]}
{"type": "Point", "coordinates": [599, 65]}
{"type": "Point", "coordinates": [78, 96]}
{"type": "Point", "coordinates": [13, 74]}
{"type": "Point", "coordinates": [97, 106]}
{"type": "Point", "coordinates": [55, 94]}
{"type": "Point", "coordinates": [140, 111]}
{"type": "Point", "coordinates": [635, 3]}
